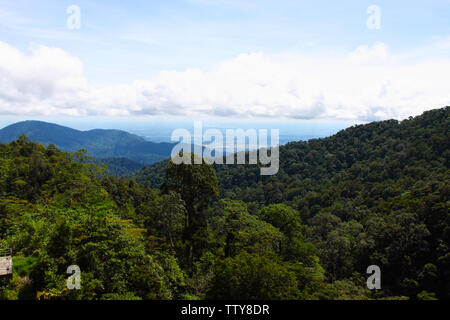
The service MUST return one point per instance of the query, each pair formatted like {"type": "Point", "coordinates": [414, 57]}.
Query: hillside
{"type": "Point", "coordinates": [119, 167]}
{"type": "Point", "coordinates": [305, 164]}
{"type": "Point", "coordinates": [377, 194]}
{"type": "Point", "coordinates": [98, 143]}
{"type": "Point", "coordinates": [134, 243]}
{"type": "Point", "coordinates": [371, 194]}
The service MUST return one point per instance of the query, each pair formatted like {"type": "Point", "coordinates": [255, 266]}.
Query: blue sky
{"type": "Point", "coordinates": [206, 58]}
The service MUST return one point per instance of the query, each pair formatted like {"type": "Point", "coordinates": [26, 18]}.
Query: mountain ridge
{"type": "Point", "coordinates": [296, 156]}
{"type": "Point", "coordinates": [99, 143]}
{"type": "Point", "coordinates": [373, 194]}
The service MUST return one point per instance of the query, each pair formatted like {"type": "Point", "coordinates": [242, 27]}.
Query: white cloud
{"type": "Point", "coordinates": [367, 84]}
{"type": "Point", "coordinates": [46, 81]}
{"type": "Point", "coordinates": [441, 42]}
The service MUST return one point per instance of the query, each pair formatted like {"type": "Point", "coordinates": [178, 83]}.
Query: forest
{"type": "Point", "coordinates": [374, 194]}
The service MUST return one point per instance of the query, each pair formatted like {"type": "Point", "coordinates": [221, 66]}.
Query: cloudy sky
{"type": "Point", "coordinates": [245, 59]}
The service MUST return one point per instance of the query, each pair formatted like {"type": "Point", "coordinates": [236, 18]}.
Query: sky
{"type": "Point", "coordinates": [289, 60]}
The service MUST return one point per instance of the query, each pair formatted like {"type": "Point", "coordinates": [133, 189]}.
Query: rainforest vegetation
{"type": "Point", "coordinates": [375, 194]}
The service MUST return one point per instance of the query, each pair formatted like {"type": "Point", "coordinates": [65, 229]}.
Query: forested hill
{"type": "Point", "coordinates": [371, 194]}
{"type": "Point", "coordinates": [377, 194]}
{"type": "Point", "coordinates": [131, 242]}
{"type": "Point", "coordinates": [99, 143]}
{"type": "Point", "coordinates": [371, 152]}
{"type": "Point", "coordinates": [392, 152]}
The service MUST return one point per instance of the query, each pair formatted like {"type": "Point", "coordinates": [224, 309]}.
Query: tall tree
{"type": "Point", "coordinates": [197, 184]}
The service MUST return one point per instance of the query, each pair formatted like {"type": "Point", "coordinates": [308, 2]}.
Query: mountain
{"type": "Point", "coordinates": [374, 194]}
{"type": "Point", "coordinates": [305, 164]}
{"type": "Point", "coordinates": [99, 143]}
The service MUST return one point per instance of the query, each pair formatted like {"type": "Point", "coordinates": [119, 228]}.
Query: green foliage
{"type": "Point", "coordinates": [23, 265]}
{"type": "Point", "coordinates": [196, 184]}
{"type": "Point", "coordinates": [250, 276]}
{"type": "Point", "coordinates": [373, 194]}
{"type": "Point", "coordinates": [237, 230]}
{"type": "Point", "coordinates": [63, 215]}
{"type": "Point", "coordinates": [424, 295]}
{"type": "Point", "coordinates": [119, 167]}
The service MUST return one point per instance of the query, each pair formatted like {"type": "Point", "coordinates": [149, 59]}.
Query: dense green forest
{"type": "Point", "coordinates": [371, 194]}
{"type": "Point", "coordinates": [117, 167]}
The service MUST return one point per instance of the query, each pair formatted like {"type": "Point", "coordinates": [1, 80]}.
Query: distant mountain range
{"type": "Point", "coordinates": [113, 146]}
